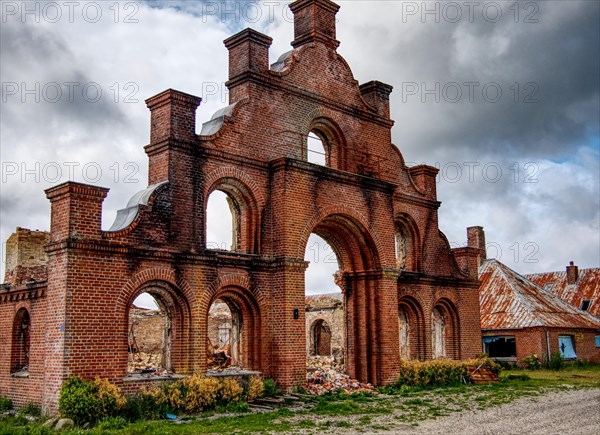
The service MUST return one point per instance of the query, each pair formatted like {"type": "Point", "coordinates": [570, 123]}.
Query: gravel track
{"type": "Point", "coordinates": [573, 412]}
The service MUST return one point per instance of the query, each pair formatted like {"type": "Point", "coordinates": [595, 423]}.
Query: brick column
{"type": "Point", "coordinates": [76, 211]}
{"type": "Point", "coordinates": [288, 338]}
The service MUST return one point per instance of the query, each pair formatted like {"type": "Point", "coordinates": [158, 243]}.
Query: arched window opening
{"type": "Point", "coordinates": [149, 336]}
{"type": "Point", "coordinates": [411, 329]}
{"type": "Point", "coordinates": [438, 332]}
{"type": "Point", "coordinates": [316, 151]}
{"type": "Point", "coordinates": [222, 222]}
{"type": "Point", "coordinates": [404, 328]}
{"type": "Point", "coordinates": [325, 315]}
{"type": "Point", "coordinates": [403, 246]}
{"type": "Point", "coordinates": [225, 345]}
{"type": "Point", "coordinates": [21, 343]}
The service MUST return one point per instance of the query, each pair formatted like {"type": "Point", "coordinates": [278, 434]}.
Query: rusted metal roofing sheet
{"type": "Point", "coordinates": [587, 287]}
{"type": "Point", "coordinates": [510, 301]}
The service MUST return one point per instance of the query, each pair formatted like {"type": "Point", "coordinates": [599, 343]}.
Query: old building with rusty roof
{"type": "Point", "coordinates": [519, 318]}
{"type": "Point", "coordinates": [580, 288]}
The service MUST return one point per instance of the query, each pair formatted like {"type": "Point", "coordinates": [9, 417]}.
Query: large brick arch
{"type": "Point", "coordinates": [145, 276]}
{"type": "Point", "coordinates": [230, 280]}
{"type": "Point", "coordinates": [174, 295]}
{"type": "Point", "coordinates": [236, 291]}
{"type": "Point", "coordinates": [363, 229]}
{"type": "Point", "coordinates": [254, 155]}
{"type": "Point", "coordinates": [211, 180]}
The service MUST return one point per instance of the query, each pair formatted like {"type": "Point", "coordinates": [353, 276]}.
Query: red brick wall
{"type": "Point", "coordinates": [23, 390]}
{"type": "Point", "coordinates": [535, 341]}
{"type": "Point", "coordinates": [257, 157]}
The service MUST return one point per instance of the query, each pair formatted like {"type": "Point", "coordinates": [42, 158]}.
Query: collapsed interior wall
{"type": "Point", "coordinates": [148, 336]}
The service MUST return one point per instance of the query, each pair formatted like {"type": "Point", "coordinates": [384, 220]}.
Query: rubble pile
{"type": "Point", "coordinates": [324, 375]}
{"type": "Point", "coordinates": [323, 363]}
{"type": "Point", "coordinates": [141, 361]}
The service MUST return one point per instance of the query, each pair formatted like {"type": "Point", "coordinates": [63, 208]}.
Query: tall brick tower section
{"type": "Point", "coordinates": [395, 266]}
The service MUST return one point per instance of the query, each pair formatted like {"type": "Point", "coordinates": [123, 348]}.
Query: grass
{"type": "Point", "coordinates": [335, 413]}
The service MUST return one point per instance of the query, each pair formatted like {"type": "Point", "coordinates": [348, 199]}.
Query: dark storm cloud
{"type": "Point", "coordinates": [555, 64]}
{"type": "Point", "coordinates": [37, 61]}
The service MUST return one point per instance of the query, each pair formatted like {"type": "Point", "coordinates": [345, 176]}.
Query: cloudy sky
{"type": "Point", "coordinates": [503, 97]}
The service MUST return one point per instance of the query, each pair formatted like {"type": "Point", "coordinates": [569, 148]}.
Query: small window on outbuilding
{"type": "Point", "coordinates": [585, 305]}
{"type": "Point", "coordinates": [597, 339]}
{"type": "Point", "coordinates": [500, 347]}
{"type": "Point", "coordinates": [566, 347]}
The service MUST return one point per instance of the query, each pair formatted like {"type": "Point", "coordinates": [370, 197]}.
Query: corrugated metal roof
{"type": "Point", "coordinates": [587, 287]}
{"type": "Point", "coordinates": [510, 301]}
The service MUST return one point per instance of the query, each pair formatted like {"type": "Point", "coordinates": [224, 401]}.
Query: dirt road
{"type": "Point", "coordinates": [573, 412]}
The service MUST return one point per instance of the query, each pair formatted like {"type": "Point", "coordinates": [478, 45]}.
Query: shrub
{"type": "Point", "coordinates": [144, 406]}
{"type": "Point", "coordinates": [195, 393]}
{"type": "Point", "coordinates": [237, 407]}
{"type": "Point", "coordinates": [110, 397]}
{"type": "Point", "coordinates": [532, 362]}
{"type": "Point", "coordinates": [436, 373]}
{"type": "Point", "coordinates": [5, 403]}
{"type": "Point", "coordinates": [432, 373]}
{"type": "Point", "coordinates": [31, 409]}
{"type": "Point", "coordinates": [87, 402]}
{"type": "Point", "coordinates": [556, 362]}
{"type": "Point", "coordinates": [255, 388]}
{"type": "Point", "coordinates": [270, 388]}
{"type": "Point", "coordinates": [231, 391]}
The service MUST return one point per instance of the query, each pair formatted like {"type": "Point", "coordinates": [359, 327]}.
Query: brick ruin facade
{"type": "Point", "coordinates": [380, 217]}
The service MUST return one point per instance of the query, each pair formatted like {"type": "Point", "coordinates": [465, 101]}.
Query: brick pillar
{"type": "Point", "coordinates": [377, 94]}
{"type": "Point", "coordinates": [173, 124]}
{"type": "Point", "coordinates": [468, 259]}
{"type": "Point", "coordinates": [424, 178]}
{"type": "Point", "coordinates": [288, 338]}
{"type": "Point", "coordinates": [248, 58]}
{"type": "Point", "coordinates": [388, 331]}
{"type": "Point", "coordinates": [314, 21]}
{"type": "Point", "coordinates": [76, 211]}
{"type": "Point", "coordinates": [174, 156]}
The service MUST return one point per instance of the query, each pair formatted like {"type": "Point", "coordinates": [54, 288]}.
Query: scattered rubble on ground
{"type": "Point", "coordinates": [324, 375]}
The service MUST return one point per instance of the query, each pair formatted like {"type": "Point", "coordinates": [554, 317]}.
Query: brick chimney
{"type": "Point", "coordinates": [476, 239]}
{"type": "Point", "coordinates": [314, 21]}
{"type": "Point", "coordinates": [572, 273]}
